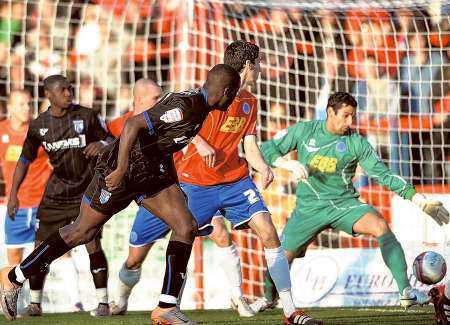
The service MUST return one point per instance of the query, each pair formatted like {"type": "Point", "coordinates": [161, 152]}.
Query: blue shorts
{"type": "Point", "coordinates": [238, 202]}
{"type": "Point", "coordinates": [21, 231]}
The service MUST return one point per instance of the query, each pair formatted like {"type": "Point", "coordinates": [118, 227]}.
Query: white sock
{"type": "Point", "coordinates": [123, 292]}
{"type": "Point", "coordinates": [231, 265]}
{"type": "Point", "coordinates": [447, 289]}
{"type": "Point", "coordinates": [35, 296]}
{"type": "Point", "coordinates": [19, 275]}
{"type": "Point", "coordinates": [127, 280]}
{"type": "Point", "coordinates": [102, 295]}
{"type": "Point", "coordinates": [66, 266]}
{"type": "Point", "coordinates": [279, 271]}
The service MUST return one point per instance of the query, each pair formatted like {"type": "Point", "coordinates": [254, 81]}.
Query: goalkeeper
{"type": "Point", "coordinates": [328, 153]}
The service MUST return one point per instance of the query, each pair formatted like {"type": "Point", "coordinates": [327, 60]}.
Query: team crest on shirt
{"type": "Point", "coordinates": [78, 125]}
{"type": "Point", "coordinates": [5, 138]}
{"type": "Point", "coordinates": [172, 116]}
{"type": "Point", "coordinates": [246, 108]}
{"type": "Point", "coordinates": [104, 196]}
{"type": "Point", "coordinates": [43, 131]}
{"type": "Point", "coordinates": [341, 147]}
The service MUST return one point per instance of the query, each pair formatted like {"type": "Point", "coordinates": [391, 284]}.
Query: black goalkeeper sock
{"type": "Point", "coordinates": [99, 269]}
{"type": "Point", "coordinates": [39, 260]}
{"type": "Point", "coordinates": [177, 258]}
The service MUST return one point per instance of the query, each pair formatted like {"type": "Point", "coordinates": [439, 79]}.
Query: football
{"type": "Point", "coordinates": [429, 267]}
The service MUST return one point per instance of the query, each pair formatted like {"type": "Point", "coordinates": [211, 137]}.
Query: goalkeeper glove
{"type": "Point", "coordinates": [299, 171]}
{"type": "Point", "coordinates": [434, 209]}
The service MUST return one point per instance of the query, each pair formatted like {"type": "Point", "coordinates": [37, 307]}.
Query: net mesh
{"type": "Point", "coordinates": [392, 55]}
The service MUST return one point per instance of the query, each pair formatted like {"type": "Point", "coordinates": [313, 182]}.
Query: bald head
{"type": "Point", "coordinates": [222, 84]}
{"type": "Point", "coordinates": [19, 106]}
{"type": "Point", "coordinates": [146, 93]}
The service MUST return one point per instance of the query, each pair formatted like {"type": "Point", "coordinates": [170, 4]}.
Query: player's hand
{"type": "Point", "coordinates": [206, 151]}
{"type": "Point", "coordinates": [12, 206]}
{"type": "Point", "coordinates": [267, 177]}
{"type": "Point", "coordinates": [435, 209]}
{"type": "Point", "coordinates": [114, 179]}
{"type": "Point", "coordinates": [299, 170]}
{"type": "Point", "coordinates": [93, 149]}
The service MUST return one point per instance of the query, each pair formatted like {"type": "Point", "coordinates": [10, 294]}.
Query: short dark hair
{"type": "Point", "coordinates": [340, 98]}
{"type": "Point", "coordinates": [53, 79]}
{"type": "Point", "coordinates": [238, 52]}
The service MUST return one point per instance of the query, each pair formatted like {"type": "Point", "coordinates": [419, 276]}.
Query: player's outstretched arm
{"type": "Point", "coordinates": [375, 168]}
{"type": "Point", "coordinates": [19, 175]}
{"type": "Point", "coordinates": [127, 139]}
{"type": "Point", "coordinates": [435, 209]}
{"type": "Point", "coordinates": [255, 159]}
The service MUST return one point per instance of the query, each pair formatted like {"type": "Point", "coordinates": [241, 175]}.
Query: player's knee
{"type": "Point", "coordinates": [380, 227]}
{"type": "Point", "coordinates": [221, 237]}
{"type": "Point", "coordinates": [186, 229]}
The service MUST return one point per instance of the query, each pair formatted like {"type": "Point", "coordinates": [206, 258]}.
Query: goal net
{"type": "Point", "coordinates": [391, 55]}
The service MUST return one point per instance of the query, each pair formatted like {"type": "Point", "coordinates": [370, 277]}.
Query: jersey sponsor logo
{"type": "Point", "coordinates": [183, 139]}
{"type": "Point", "coordinates": [246, 108]}
{"type": "Point", "coordinates": [5, 138]}
{"type": "Point", "coordinates": [104, 196]}
{"type": "Point", "coordinates": [43, 131]}
{"type": "Point", "coordinates": [233, 124]}
{"type": "Point", "coordinates": [13, 152]}
{"type": "Point", "coordinates": [172, 116]}
{"type": "Point", "coordinates": [280, 134]}
{"type": "Point", "coordinates": [323, 164]}
{"type": "Point", "coordinates": [78, 142]}
{"type": "Point", "coordinates": [78, 125]}
{"type": "Point", "coordinates": [341, 146]}
{"type": "Point", "coordinates": [310, 149]}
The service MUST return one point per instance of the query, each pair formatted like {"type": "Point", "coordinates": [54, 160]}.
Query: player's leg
{"type": "Point", "coordinates": [81, 231]}
{"type": "Point", "coordinates": [170, 206]}
{"type": "Point", "coordinates": [99, 271]}
{"type": "Point", "coordinates": [372, 223]}
{"type": "Point", "coordinates": [248, 210]}
{"type": "Point", "coordinates": [146, 229]}
{"type": "Point", "coordinates": [20, 233]}
{"type": "Point", "coordinates": [230, 262]}
{"type": "Point", "coordinates": [440, 298]}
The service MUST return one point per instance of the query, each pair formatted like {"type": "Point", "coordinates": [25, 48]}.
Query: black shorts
{"type": "Point", "coordinates": [152, 179]}
{"type": "Point", "coordinates": [51, 217]}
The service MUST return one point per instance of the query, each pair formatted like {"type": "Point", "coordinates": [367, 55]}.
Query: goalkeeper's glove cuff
{"type": "Point", "coordinates": [420, 200]}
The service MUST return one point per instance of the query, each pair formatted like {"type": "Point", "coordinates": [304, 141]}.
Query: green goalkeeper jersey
{"type": "Point", "coordinates": [331, 161]}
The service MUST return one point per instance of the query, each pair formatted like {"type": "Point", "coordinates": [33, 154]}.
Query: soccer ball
{"type": "Point", "coordinates": [429, 267]}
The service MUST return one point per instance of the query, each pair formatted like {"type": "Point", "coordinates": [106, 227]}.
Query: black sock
{"type": "Point", "coordinates": [99, 269]}
{"type": "Point", "coordinates": [177, 258]}
{"type": "Point", "coordinates": [39, 260]}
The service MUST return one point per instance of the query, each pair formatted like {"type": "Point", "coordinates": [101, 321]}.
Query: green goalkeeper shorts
{"type": "Point", "coordinates": [308, 220]}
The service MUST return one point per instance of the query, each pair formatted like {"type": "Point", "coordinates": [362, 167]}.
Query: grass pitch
{"type": "Point", "coordinates": [330, 316]}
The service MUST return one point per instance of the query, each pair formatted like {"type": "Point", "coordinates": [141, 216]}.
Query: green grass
{"type": "Point", "coordinates": [330, 316]}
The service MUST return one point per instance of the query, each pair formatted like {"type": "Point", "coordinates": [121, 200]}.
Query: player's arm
{"type": "Point", "coordinates": [101, 136]}
{"type": "Point", "coordinates": [127, 138]}
{"type": "Point", "coordinates": [255, 159]}
{"type": "Point", "coordinates": [284, 142]}
{"type": "Point", "coordinates": [375, 168]}
{"type": "Point", "coordinates": [205, 150]}
{"type": "Point", "coordinates": [29, 153]}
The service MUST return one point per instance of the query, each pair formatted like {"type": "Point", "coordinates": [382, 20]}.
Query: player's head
{"type": "Point", "coordinates": [58, 90]}
{"type": "Point", "coordinates": [19, 106]}
{"type": "Point", "coordinates": [244, 58]}
{"type": "Point", "coordinates": [146, 93]}
{"type": "Point", "coordinates": [341, 110]}
{"type": "Point", "coordinates": [222, 85]}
